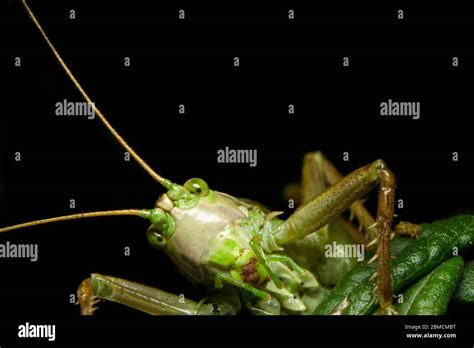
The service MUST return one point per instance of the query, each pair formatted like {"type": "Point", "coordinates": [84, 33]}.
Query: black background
{"type": "Point", "coordinates": [191, 62]}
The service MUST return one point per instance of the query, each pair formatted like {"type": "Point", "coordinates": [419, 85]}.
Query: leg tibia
{"type": "Point", "coordinates": [150, 300]}
{"type": "Point", "coordinates": [385, 209]}
{"type": "Point", "coordinates": [323, 208]}
{"type": "Point", "coordinates": [138, 296]}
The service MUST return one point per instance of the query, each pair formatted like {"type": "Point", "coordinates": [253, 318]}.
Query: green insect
{"type": "Point", "coordinates": [244, 257]}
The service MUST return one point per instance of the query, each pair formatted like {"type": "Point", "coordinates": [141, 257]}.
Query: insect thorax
{"type": "Point", "coordinates": [225, 235]}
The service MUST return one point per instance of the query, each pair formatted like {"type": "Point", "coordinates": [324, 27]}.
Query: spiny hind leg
{"type": "Point", "coordinates": [149, 300]}
{"type": "Point", "coordinates": [317, 167]}
{"type": "Point", "coordinates": [322, 209]}
{"type": "Point", "coordinates": [317, 161]}
{"type": "Point", "coordinates": [318, 173]}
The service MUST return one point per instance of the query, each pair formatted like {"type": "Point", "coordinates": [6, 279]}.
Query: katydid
{"type": "Point", "coordinates": [241, 254]}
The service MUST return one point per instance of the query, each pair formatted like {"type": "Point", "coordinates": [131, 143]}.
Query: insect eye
{"type": "Point", "coordinates": [156, 239]}
{"type": "Point", "coordinates": [197, 186]}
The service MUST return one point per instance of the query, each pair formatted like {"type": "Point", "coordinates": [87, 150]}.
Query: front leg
{"type": "Point", "coordinates": [322, 209]}
{"type": "Point", "coordinates": [149, 300]}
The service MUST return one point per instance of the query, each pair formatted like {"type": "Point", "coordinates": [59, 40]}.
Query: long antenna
{"type": "Point", "coordinates": [117, 136]}
{"type": "Point", "coordinates": [127, 212]}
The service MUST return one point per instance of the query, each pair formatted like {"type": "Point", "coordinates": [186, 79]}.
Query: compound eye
{"type": "Point", "coordinates": [156, 239]}
{"type": "Point", "coordinates": [197, 186]}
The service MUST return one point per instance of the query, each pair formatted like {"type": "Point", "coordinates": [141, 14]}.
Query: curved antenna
{"type": "Point", "coordinates": [117, 136]}
{"type": "Point", "coordinates": [124, 212]}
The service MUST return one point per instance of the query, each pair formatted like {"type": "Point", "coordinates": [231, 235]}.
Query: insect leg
{"type": "Point", "coordinates": [318, 174]}
{"type": "Point", "coordinates": [221, 278]}
{"type": "Point", "coordinates": [257, 249]}
{"type": "Point", "coordinates": [317, 162]}
{"type": "Point", "coordinates": [289, 261]}
{"type": "Point", "coordinates": [147, 299]}
{"type": "Point", "coordinates": [322, 209]}
{"type": "Point", "coordinates": [405, 228]}
{"type": "Point", "coordinates": [317, 167]}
